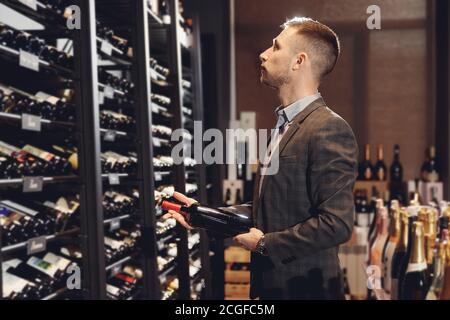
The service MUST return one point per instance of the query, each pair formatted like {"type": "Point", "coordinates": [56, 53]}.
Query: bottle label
{"type": "Point", "coordinates": [60, 262]}
{"type": "Point", "coordinates": [43, 266]}
{"type": "Point", "coordinates": [13, 263]}
{"type": "Point", "coordinates": [114, 244]}
{"type": "Point", "coordinates": [414, 267]}
{"type": "Point", "coordinates": [12, 283]}
{"type": "Point", "coordinates": [112, 290]}
{"type": "Point", "coordinates": [39, 153]}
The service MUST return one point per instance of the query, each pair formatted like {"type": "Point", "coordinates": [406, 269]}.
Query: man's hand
{"type": "Point", "coordinates": [249, 240]}
{"type": "Point", "coordinates": [177, 216]}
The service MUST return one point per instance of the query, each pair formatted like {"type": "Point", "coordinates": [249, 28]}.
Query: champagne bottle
{"type": "Point", "coordinates": [439, 266]}
{"type": "Point", "coordinates": [445, 291]}
{"type": "Point", "coordinates": [365, 167]}
{"type": "Point", "coordinates": [396, 172]}
{"type": "Point", "coordinates": [380, 240]}
{"type": "Point", "coordinates": [394, 237]}
{"type": "Point", "coordinates": [399, 253]}
{"type": "Point", "coordinates": [379, 170]}
{"type": "Point", "coordinates": [429, 171]}
{"type": "Point", "coordinates": [412, 217]}
{"type": "Point", "coordinates": [415, 284]}
{"type": "Point", "coordinates": [225, 222]}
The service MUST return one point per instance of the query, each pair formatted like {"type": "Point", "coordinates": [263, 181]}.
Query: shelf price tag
{"type": "Point", "coordinates": [106, 47]}
{"type": "Point", "coordinates": [31, 122]}
{"type": "Point", "coordinates": [158, 176]}
{"type": "Point", "coordinates": [114, 225]}
{"type": "Point", "coordinates": [33, 184]}
{"type": "Point", "coordinates": [110, 135]}
{"type": "Point", "coordinates": [101, 98]}
{"type": "Point", "coordinates": [108, 92]}
{"type": "Point", "coordinates": [36, 245]}
{"type": "Point", "coordinates": [28, 60]}
{"type": "Point", "coordinates": [113, 179]}
{"type": "Point", "coordinates": [156, 142]}
{"type": "Point", "coordinates": [30, 4]}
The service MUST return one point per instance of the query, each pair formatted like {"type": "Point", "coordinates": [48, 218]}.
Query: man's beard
{"type": "Point", "coordinates": [274, 82]}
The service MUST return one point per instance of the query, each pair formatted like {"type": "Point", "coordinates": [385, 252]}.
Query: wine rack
{"type": "Point", "coordinates": [85, 157]}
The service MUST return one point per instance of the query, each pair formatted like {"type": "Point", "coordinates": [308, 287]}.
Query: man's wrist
{"type": "Point", "coordinates": [261, 246]}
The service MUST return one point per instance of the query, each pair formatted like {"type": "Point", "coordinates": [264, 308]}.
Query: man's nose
{"type": "Point", "coordinates": [263, 56]}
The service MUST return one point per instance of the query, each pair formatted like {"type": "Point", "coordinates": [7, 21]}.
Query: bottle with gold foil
{"type": "Point", "coordinates": [415, 283]}
{"type": "Point", "coordinates": [379, 170]}
{"type": "Point", "coordinates": [399, 253]}
{"type": "Point", "coordinates": [382, 234]}
{"type": "Point", "coordinates": [439, 266]}
{"type": "Point", "coordinates": [389, 250]}
{"type": "Point", "coordinates": [445, 291]}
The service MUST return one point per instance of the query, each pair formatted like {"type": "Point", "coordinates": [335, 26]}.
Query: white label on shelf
{"type": "Point", "coordinates": [158, 176]}
{"type": "Point", "coordinates": [31, 122]}
{"type": "Point", "coordinates": [166, 19]}
{"type": "Point", "coordinates": [33, 184]}
{"type": "Point", "coordinates": [101, 98]}
{"type": "Point", "coordinates": [108, 92]}
{"type": "Point", "coordinates": [36, 245]}
{"type": "Point", "coordinates": [28, 60]}
{"type": "Point", "coordinates": [110, 135]}
{"type": "Point", "coordinates": [116, 269]}
{"type": "Point", "coordinates": [156, 142]}
{"type": "Point", "coordinates": [115, 224]}
{"type": "Point", "coordinates": [113, 179]}
{"type": "Point", "coordinates": [106, 47]}
{"type": "Point", "coordinates": [30, 3]}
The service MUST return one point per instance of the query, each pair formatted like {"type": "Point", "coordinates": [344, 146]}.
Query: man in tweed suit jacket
{"type": "Point", "coordinates": [305, 210]}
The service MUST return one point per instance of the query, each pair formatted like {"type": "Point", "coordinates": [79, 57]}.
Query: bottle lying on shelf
{"type": "Point", "coordinates": [42, 274]}
{"type": "Point", "coordinates": [116, 121]}
{"type": "Point", "coordinates": [20, 40]}
{"type": "Point", "coordinates": [117, 83]}
{"type": "Point", "coordinates": [48, 107]}
{"type": "Point", "coordinates": [154, 64]}
{"type": "Point", "coordinates": [113, 162]}
{"type": "Point", "coordinates": [116, 204]}
{"type": "Point", "coordinates": [105, 33]}
{"type": "Point", "coordinates": [121, 242]}
{"type": "Point", "coordinates": [20, 222]}
{"type": "Point", "coordinates": [161, 100]}
{"type": "Point", "coordinates": [217, 220]}
{"type": "Point", "coordinates": [161, 130]}
{"type": "Point", "coordinates": [30, 161]}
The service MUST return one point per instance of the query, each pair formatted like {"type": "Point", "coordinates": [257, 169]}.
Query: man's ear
{"type": "Point", "coordinates": [300, 59]}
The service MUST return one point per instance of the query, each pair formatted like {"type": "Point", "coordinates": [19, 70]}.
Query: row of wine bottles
{"type": "Point", "coordinates": [37, 276]}
{"type": "Point", "coordinates": [32, 161]}
{"type": "Point", "coordinates": [122, 242]}
{"type": "Point", "coordinates": [20, 40]}
{"type": "Point", "coordinates": [115, 82]}
{"type": "Point", "coordinates": [43, 105]}
{"type": "Point", "coordinates": [118, 203]}
{"type": "Point", "coordinates": [20, 222]}
{"type": "Point", "coordinates": [378, 171]}
{"type": "Point", "coordinates": [124, 284]}
{"type": "Point", "coordinates": [410, 245]}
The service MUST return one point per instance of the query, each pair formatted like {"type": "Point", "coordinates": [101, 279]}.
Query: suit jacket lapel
{"type": "Point", "coordinates": [298, 119]}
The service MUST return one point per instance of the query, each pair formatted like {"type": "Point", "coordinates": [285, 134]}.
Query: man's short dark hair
{"type": "Point", "coordinates": [322, 41]}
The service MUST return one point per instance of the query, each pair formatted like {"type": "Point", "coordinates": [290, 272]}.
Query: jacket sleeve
{"type": "Point", "coordinates": [332, 167]}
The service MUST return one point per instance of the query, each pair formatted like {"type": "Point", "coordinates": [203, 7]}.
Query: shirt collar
{"type": "Point", "coordinates": [289, 112]}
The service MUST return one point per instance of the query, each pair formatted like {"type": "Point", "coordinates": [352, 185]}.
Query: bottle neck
{"type": "Point", "coordinates": [417, 250]}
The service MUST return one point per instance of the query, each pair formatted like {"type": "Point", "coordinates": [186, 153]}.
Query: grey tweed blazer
{"type": "Point", "coordinates": [306, 209]}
